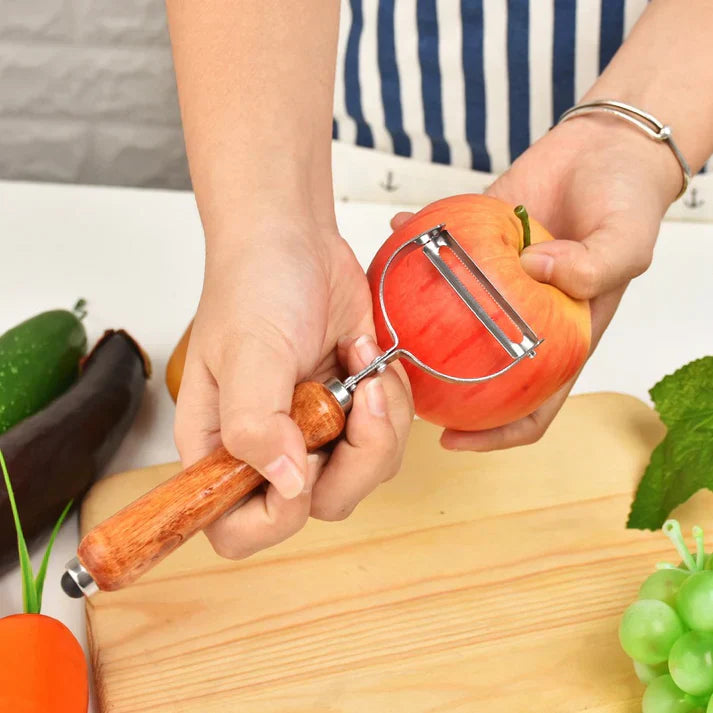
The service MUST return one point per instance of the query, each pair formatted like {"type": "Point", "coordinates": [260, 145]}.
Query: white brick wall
{"type": "Point", "coordinates": [87, 93]}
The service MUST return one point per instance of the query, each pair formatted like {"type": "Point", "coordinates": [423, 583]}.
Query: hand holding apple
{"type": "Point", "coordinates": [601, 189]}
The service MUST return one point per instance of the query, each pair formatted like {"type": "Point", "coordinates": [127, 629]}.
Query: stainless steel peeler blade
{"type": "Point", "coordinates": [440, 238]}
{"type": "Point", "coordinates": [431, 243]}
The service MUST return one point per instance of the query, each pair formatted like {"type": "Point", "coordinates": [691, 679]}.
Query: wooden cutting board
{"type": "Point", "coordinates": [471, 582]}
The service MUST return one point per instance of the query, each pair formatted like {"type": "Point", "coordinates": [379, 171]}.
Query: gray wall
{"type": "Point", "coordinates": [87, 93]}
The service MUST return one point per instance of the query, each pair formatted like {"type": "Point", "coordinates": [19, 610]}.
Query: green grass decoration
{"type": "Point", "coordinates": [31, 586]}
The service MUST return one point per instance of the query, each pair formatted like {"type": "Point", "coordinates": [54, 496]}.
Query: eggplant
{"type": "Point", "coordinates": [55, 455]}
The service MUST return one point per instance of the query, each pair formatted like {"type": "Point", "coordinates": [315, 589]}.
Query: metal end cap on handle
{"type": "Point", "coordinates": [340, 392]}
{"type": "Point", "coordinates": [76, 581]}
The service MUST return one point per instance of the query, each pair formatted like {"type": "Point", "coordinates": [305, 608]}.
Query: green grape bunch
{"type": "Point", "coordinates": [668, 631]}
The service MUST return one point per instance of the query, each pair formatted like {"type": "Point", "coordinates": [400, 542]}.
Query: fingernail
{"type": "Point", "coordinates": [376, 397]}
{"type": "Point", "coordinates": [366, 349]}
{"type": "Point", "coordinates": [314, 460]}
{"type": "Point", "coordinates": [284, 474]}
{"type": "Point", "coordinates": [537, 265]}
{"type": "Point", "coordinates": [344, 341]}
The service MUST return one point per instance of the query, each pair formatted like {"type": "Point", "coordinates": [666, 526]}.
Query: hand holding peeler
{"type": "Point", "coordinates": [122, 548]}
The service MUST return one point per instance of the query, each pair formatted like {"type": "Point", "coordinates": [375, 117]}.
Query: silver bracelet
{"type": "Point", "coordinates": [650, 125]}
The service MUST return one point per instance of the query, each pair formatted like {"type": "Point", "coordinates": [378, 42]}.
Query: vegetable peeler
{"type": "Point", "coordinates": [122, 548]}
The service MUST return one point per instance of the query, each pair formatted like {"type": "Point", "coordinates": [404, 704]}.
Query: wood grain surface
{"type": "Point", "coordinates": [471, 582]}
{"type": "Point", "coordinates": [120, 549]}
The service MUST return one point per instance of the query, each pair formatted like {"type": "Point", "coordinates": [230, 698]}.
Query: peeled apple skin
{"type": "Point", "coordinates": [437, 327]}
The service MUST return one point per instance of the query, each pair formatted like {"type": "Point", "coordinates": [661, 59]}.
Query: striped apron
{"type": "Point", "coordinates": [467, 84]}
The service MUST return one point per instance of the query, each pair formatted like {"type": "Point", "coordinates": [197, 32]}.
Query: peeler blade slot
{"type": "Point", "coordinates": [430, 242]}
{"type": "Point", "coordinates": [432, 252]}
{"type": "Point", "coordinates": [529, 338]}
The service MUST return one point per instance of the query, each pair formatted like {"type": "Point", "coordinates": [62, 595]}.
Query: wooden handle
{"type": "Point", "coordinates": [120, 549]}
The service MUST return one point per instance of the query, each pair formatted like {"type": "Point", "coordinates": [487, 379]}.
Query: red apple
{"type": "Point", "coordinates": [439, 329]}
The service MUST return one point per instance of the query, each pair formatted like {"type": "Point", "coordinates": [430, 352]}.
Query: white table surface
{"type": "Point", "coordinates": [136, 256]}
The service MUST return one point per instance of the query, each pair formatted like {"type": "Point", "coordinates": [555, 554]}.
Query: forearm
{"type": "Point", "coordinates": [255, 83]}
{"type": "Point", "coordinates": [665, 67]}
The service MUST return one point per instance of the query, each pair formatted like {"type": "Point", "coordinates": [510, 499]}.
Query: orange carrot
{"type": "Point", "coordinates": [42, 665]}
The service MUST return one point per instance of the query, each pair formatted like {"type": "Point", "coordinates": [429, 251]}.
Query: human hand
{"type": "Point", "coordinates": [272, 311]}
{"type": "Point", "coordinates": [601, 189]}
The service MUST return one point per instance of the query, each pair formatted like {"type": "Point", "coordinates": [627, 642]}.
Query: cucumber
{"type": "Point", "coordinates": [39, 360]}
{"type": "Point", "coordinates": [54, 456]}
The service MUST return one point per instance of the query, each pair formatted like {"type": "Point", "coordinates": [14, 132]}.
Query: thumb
{"type": "Point", "coordinates": [256, 382]}
{"type": "Point", "coordinates": [608, 258]}
{"type": "Point", "coordinates": [400, 218]}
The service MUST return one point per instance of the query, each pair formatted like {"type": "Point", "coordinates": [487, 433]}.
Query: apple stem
{"type": "Point", "coordinates": [524, 218]}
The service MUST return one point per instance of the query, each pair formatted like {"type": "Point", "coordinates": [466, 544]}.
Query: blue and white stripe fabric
{"type": "Point", "coordinates": [471, 83]}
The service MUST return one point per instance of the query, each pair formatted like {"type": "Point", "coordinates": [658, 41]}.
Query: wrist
{"type": "Point", "coordinates": [663, 67]}
{"type": "Point", "coordinates": [249, 191]}
{"type": "Point", "coordinates": [255, 215]}
{"type": "Point", "coordinates": [262, 232]}
{"type": "Point", "coordinates": [623, 148]}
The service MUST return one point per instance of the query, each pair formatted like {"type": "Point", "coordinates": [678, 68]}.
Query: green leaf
{"type": "Point", "coordinates": [682, 463]}
{"type": "Point", "coordinates": [40, 580]}
{"type": "Point", "coordinates": [687, 394]}
{"type": "Point", "coordinates": [29, 593]}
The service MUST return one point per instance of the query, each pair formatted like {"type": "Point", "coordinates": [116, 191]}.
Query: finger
{"type": "Point", "coordinates": [343, 345]}
{"type": "Point", "coordinates": [257, 378]}
{"type": "Point", "coordinates": [374, 442]}
{"type": "Point", "coordinates": [265, 519]}
{"type": "Point", "coordinates": [523, 432]}
{"type": "Point", "coordinates": [604, 261]}
{"type": "Point", "coordinates": [531, 428]}
{"type": "Point", "coordinates": [398, 390]}
{"type": "Point", "coordinates": [400, 218]}
{"type": "Point", "coordinates": [602, 310]}
{"type": "Point", "coordinates": [196, 427]}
